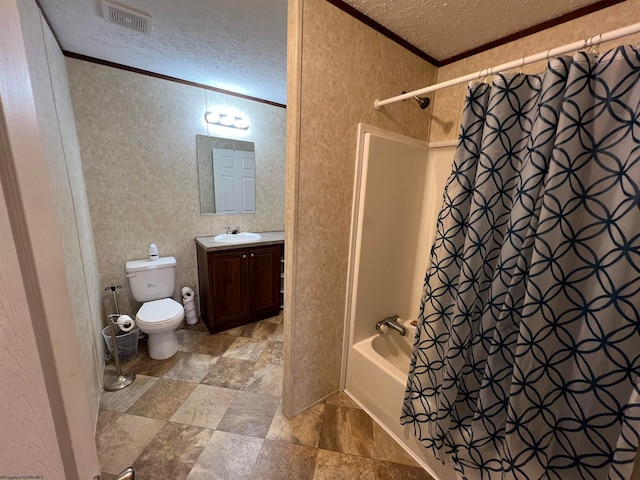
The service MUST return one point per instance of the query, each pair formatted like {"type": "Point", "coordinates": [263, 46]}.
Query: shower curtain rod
{"type": "Point", "coordinates": [580, 44]}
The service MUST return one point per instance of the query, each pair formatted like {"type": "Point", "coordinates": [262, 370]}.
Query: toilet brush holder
{"type": "Point", "coordinates": [120, 380]}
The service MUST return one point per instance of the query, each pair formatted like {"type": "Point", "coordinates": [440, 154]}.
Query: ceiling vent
{"type": "Point", "coordinates": [126, 17]}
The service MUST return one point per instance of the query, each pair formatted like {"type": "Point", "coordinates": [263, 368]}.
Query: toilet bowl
{"type": "Point", "coordinates": [152, 282]}
{"type": "Point", "coordinates": [160, 319]}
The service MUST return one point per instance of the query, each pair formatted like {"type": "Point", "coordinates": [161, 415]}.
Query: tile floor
{"type": "Point", "coordinates": [213, 412]}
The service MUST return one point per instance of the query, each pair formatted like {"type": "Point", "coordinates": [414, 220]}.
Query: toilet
{"type": "Point", "coordinates": [153, 282]}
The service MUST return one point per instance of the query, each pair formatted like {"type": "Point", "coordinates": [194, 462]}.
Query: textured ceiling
{"type": "Point", "coordinates": [236, 45]}
{"type": "Point", "coordinates": [241, 45]}
{"type": "Point", "coordinates": [444, 28]}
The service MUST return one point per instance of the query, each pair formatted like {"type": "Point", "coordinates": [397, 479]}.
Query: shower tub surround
{"type": "Point", "coordinates": [398, 190]}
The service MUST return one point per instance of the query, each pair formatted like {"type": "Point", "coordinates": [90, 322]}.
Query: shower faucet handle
{"type": "Point", "coordinates": [127, 474]}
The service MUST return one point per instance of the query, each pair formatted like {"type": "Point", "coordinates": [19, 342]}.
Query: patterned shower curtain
{"type": "Point", "coordinates": [526, 360]}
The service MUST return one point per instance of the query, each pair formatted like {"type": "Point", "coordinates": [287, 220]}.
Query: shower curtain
{"type": "Point", "coordinates": [526, 360]}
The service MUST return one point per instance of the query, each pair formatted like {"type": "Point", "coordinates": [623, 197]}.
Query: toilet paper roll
{"type": "Point", "coordinates": [189, 302]}
{"type": "Point", "coordinates": [126, 323]}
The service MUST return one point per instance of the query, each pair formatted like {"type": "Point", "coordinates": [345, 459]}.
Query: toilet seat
{"type": "Point", "coordinates": [159, 314]}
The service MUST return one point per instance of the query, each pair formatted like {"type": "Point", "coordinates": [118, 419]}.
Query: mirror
{"type": "Point", "coordinates": [226, 174]}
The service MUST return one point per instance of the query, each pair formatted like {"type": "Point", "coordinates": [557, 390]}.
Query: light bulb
{"type": "Point", "coordinates": [227, 120]}
{"type": "Point", "coordinates": [241, 123]}
{"type": "Point", "coordinates": [212, 117]}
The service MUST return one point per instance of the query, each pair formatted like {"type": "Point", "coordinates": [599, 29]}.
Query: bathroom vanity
{"type": "Point", "coordinates": [239, 283]}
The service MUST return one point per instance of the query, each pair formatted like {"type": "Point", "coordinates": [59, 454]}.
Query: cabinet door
{"type": "Point", "coordinates": [264, 281]}
{"type": "Point", "coordinates": [229, 274]}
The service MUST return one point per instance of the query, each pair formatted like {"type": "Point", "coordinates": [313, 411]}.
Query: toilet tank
{"type": "Point", "coordinates": [152, 279]}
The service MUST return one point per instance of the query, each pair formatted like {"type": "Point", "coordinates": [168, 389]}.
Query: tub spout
{"type": "Point", "coordinates": [391, 322]}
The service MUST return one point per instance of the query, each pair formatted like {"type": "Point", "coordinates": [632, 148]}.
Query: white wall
{"type": "Point", "coordinates": [400, 198]}
{"type": "Point", "coordinates": [391, 227]}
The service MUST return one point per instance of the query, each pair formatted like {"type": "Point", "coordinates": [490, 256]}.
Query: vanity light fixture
{"type": "Point", "coordinates": [230, 120]}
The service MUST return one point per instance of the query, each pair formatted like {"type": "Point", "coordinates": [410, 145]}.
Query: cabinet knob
{"type": "Point", "coordinates": [252, 255]}
{"type": "Point", "coordinates": [244, 256]}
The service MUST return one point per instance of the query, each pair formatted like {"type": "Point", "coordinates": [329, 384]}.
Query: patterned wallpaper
{"type": "Point", "coordinates": [345, 66]}
{"type": "Point", "coordinates": [49, 82]}
{"type": "Point", "coordinates": [138, 139]}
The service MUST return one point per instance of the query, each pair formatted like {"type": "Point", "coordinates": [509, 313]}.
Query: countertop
{"type": "Point", "coordinates": [267, 238]}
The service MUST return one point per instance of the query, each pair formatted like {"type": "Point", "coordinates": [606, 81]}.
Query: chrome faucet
{"type": "Point", "coordinates": [127, 474]}
{"type": "Point", "coordinates": [391, 322]}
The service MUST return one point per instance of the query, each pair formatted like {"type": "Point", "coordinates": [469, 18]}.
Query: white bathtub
{"type": "Point", "coordinates": [377, 373]}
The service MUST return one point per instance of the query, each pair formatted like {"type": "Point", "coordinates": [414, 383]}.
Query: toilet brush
{"type": "Point", "coordinates": [120, 380]}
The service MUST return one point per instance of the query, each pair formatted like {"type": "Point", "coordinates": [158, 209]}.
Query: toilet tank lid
{"type": "Point", "coordinates": [146, 264]}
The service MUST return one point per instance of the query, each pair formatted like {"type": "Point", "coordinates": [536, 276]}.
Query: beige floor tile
{"type": "Point", "coordinates": [273, 353]}
{"type": "Point", "coordinates": [187, 339]}
{"type": "Point", "coordinates": [249, 414]}
{"type": "Point", "coordinates": [245, 349]}
{"type": "Point", "coordinates": [162, 400]}
{"type": "Point", "coordinates": [259, 330]}
{"type": "Point", "coordinates": [227, 456]}
{"type": "Point", "coordinates": [397, 471]}
{"type": "Point", "coordinates": [303, 429]}
{"type": "Point", "coordinates": [172, 452]}
{"type": "Point", "coordinates": [193, 367]}
{"type": "Point", "coordinates": [105, 418]}
{"type": "Point", "coordinates": [121, 400]}
{"type": "Point", "coordinates": [387, 449]}
{"type": "Point", "coordinates": [347, 430]}
{"type": "Point", "coordinates": [340, 466]}
{"type": "Point", "coordinates": [155, 368]}
{"type": "Point", "coordinates": [278, 335]}
{"type": "Point", "coordinates": [341, 399]}
{"type": "Point", "coordinates": [205, 406]}
{"type": "Point", "coordinates": [122, 441]}
{"type": "Point", "coordinates": [284, 461]}
{"type": "Point", "coordinates": [214, 345]}
{"type": "Point", "coordinates": [234, 332]}
{"type": "Point", "coordinates": [229, 373]}
{"type": "Point", "coordinates": [265, 380]}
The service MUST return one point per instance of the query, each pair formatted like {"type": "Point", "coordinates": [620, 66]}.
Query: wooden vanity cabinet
{"type": "Point", "coordinates": [238, 286]}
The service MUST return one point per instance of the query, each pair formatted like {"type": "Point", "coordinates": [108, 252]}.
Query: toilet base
{"type": "Point", "coordinates": [162, 345]}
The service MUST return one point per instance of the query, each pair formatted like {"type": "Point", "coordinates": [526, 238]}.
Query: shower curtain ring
{"type": "Point", "coordinates": [596, 47]}
{"type": "Point", "coordinates": [489, 73]}
{"type": "Point", "coordinates": [522, 65]}
{"type": "Point", "coordinates": [585, 45]}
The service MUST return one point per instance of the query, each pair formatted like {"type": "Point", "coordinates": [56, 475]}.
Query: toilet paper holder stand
{"type": "Point", "coordinates": [120, 380]}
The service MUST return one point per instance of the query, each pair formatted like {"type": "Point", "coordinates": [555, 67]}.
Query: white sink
{"type": "Point", "coordinates": [242, 237]}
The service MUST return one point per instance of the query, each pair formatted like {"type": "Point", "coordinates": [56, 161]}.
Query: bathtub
{"type": "Point", "coordinates": [377, 372]}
